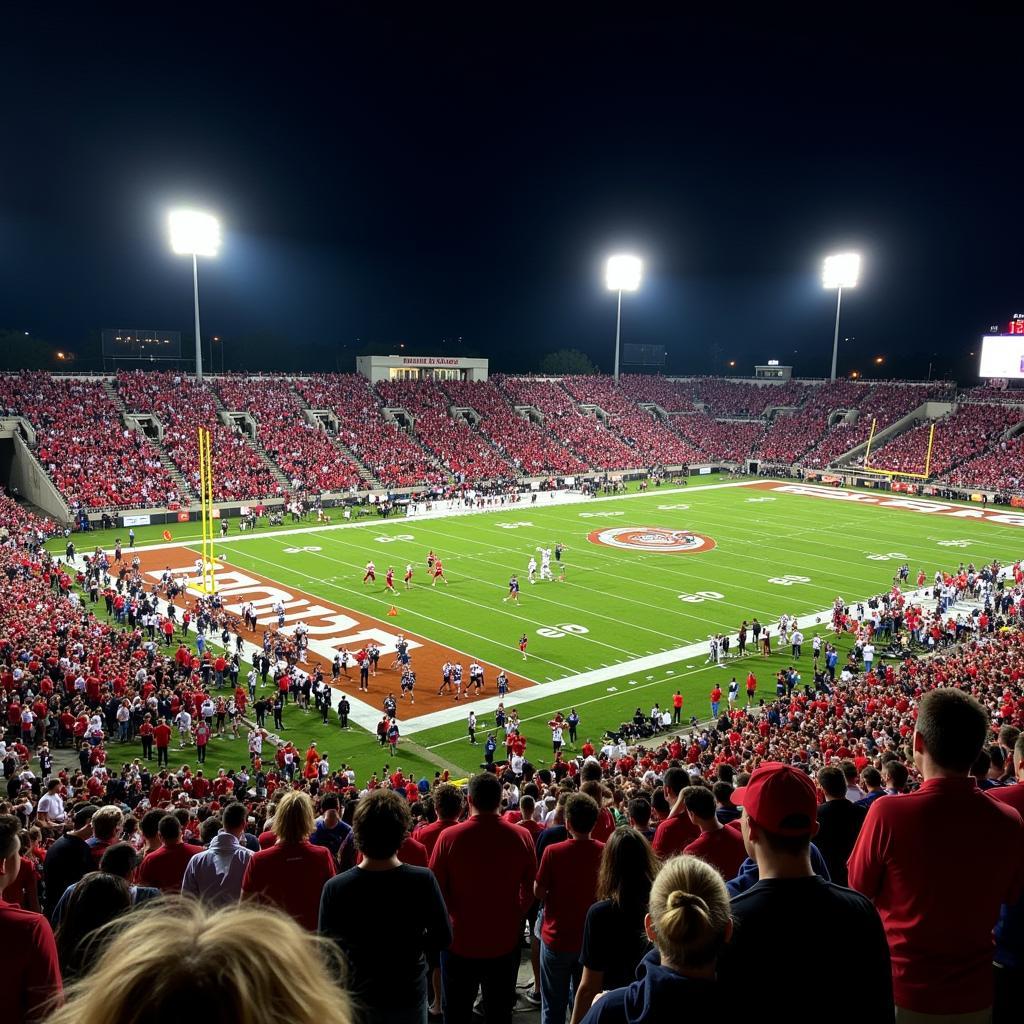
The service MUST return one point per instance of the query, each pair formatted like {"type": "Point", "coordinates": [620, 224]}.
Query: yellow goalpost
{"type": "Point", "coordinates": [897, 472]}
{"type": "Point", "coordinates": [206, 583]}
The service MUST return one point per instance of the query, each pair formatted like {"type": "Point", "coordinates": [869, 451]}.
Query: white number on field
{"type": "Point", "coordinates": [955, 543]}
{"type": "Point", "coordinates": [513, 526]}
{"type": "Point", "coordinates": [701, 595]}
{"type": "Point", "coordinates": [600, 515]}
{"type": "Point", "coordinates": [554, 632]}
{"type": "Point", "coordinates": [296, 551]}
{"type": "Point", "coordinates": [788, 581]}
{"type": "Point", "coordinates": [897, 555]}
{"type": "Point", "coordinates": [673, 508]}
{"type": "Point", "coordinates": [397, 536]}
{"type": "Point", "coordinates": [757, 501]}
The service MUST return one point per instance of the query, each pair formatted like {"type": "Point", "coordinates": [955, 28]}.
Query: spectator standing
{"type": "Point", "coordinates": [29, 971]}
{"type": "Point", "coordinates": [566, 885]}
{"type": "Point", "coordinates": [718, 845]}
{"type": "Point", "coordinates": [448, 805]}
{"type": "Point", "coordinates": [939, 863]}
{"type": "Point", "coordinates": [789, 902]}
{"type": "Point", "coordinates": [292, 873]}
{"type": "Point", "coordinates": [68, 859]}
{"type": "Point", "coordinates": [839, 823]}
{"type": "Point", "coordinates": [484, 953]}
{"type": "Point", "coordinates": [215, 875]}
{"type": "Point", "coordinates": [689, 924]}
{"type": "Point", "coordinates": [676, 832]}
{"type": "Point", "coordinates": [391, 989]}
{"type": "Point", "coordinates": [94, 902]}
{"type": "Point", "coordinates": [164, 868]}
{"type": "Point", "coordinates": [614, 940]}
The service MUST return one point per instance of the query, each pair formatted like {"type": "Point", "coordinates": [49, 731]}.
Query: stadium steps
{"type": "Point", "coordinates": [110, 387]}
{"type": "Point", "coordinates": [364, 471]}
{"type": "Point", "coordinates": [253, 442]}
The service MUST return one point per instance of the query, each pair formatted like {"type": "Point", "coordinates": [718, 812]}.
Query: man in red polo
{"type": "Point", "coordinates": [448, 804]}
{"type": "Point", "coordinates": [162, 738]}
{"type": "Point", "coordinates": [938, 863]}
{"type": "Point", "coordinates": [567, 886]}
{"type": "Point", "coordinates": [486, 869]}
{"type": "Point", "coordinates": [676, 832]}
{"type": "Point", "coordinates": [721, 847]}
{"type": "Point", "coordinates": [165, 868]}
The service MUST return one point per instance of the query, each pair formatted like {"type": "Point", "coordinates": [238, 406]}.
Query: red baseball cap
{"type": "Point", "coordinates": [781, 799]}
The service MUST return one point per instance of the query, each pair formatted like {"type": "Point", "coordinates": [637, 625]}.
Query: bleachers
{"type": "Point", "coordinates": [462, 450]}
{"type": "Point", "coordinates": [720, 440]}
{"type": "Point", "coordinates": [962, 435]}
{"type": "Point", "coordinates": [93, 459]}
{"type": "Point", "coordinates": [304, 453]}
{"type": "Point", "coordinates": [238, 471]}
{"type": "Point", "coordinates": [389, 453]}
{"type": "Point", "coordinates": [528, 446]}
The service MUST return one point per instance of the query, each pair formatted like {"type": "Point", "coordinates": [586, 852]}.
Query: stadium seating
{"type": "Point", "coordinates": [238, 470]}
{"type": "Point", "coordinates": [93, 459]}
{"type": "Point", "coordinates": [528, 446]}
{"type": "Point", "coordinates": [719, 440]}
{"type": "Point", "coordinates": [391, 455]}
{"type": "Point", "coordinates": [585, 435]}
{"type": "Point", "coordinates": [305, 453]}
{"type": "Point", "coordinates": [457, 446]}
{"type": "Point", "coordinates": [960, 436]}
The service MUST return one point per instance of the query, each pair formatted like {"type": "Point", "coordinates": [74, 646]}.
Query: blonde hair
{"type": "Point", "coordinates": [294, 819]}
{"type": "Point", "coordinates": [239, 964]}
{"type": "Point", "coordinates": [106, 821]}
{"type": "Point", "coordinates": [689, 911]}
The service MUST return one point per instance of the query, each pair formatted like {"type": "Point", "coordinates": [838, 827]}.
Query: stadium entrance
{"type": "Point", "coordinates": [378, 368]}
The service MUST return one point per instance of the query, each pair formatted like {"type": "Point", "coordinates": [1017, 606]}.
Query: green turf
{"type": "Point", "coordinates": [629, 603]}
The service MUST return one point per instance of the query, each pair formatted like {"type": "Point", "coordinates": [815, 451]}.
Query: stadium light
{"type": "Point", "coordinates": [195, 234]}
{"type": "Point", "coordinates": [840, 271]}
{"type": "Point", "coordinates": [622, 274]}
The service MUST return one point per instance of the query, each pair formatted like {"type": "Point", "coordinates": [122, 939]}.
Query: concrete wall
{"type": "Point", "coordinates": [34, 485]}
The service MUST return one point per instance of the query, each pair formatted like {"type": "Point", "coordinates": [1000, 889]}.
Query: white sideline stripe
{"type": "Point", "coordinates": [560, 686]}
{"type": "Point", "coordinates": [521, 508]}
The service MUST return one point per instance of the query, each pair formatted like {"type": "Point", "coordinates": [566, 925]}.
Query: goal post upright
{"type": "Point", "coordinates": [208, 582]}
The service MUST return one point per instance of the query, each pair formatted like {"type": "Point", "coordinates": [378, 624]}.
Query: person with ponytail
{"type": "Point", "coordinates": [689, 923]}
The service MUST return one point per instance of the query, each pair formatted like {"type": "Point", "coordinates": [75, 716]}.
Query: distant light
{"type": "Point", "coordinates": [216, 337]}
{"type": "Point", "coordinates": [60, 355]}
{"type": "Point", "coordinates": [26, 334]}
{"type": "Point", "coordinates": [855, 374]}
{"type": "Point", "coordinates": [193, 232]}
{"type": "Point", "coordinates": [879, 360]}
{"type": "Point", "coordinates": [841, 270]}
{"type": "Point", "coordinates": [622, 273]}
{"type": "Point", "coordinates": [773, 362]}
{"type": "Point", "coordinates": [732, 362]}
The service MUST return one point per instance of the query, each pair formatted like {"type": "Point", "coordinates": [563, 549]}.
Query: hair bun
{"type": "Point", "coordinates": [679, 899]}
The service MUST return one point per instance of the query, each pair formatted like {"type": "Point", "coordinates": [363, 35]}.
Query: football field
{"type": "Point", "coordinates": [647, 578]}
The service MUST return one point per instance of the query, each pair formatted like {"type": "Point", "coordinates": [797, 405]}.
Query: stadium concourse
{"type": "Point", "coordinates": [875, 811]}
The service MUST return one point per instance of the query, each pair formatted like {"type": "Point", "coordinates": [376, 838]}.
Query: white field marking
{"type": "Point", "coordinates": [664, 569]}
{"type": "Point", "coordinates": [376, 524]}
{"type": "Point", "coordinates": [568, 606]}
{"type": "Point", "coordinates": [546, 691]}
{"type": "Point", "coordinates": [508, 613]}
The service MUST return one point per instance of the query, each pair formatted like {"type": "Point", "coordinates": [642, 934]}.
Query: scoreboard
{"type": "Point", "coordinates": [144, 345]}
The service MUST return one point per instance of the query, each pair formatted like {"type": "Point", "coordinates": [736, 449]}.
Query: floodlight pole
{"type": "Point", "coordinates": [199, 344]}
{"type": "Point", "coordinates": [835, 339]}
{"type": "Point", "coordinates": [618, 333]}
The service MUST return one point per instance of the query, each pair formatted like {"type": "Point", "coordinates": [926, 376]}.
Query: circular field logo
{"type": "Point", "coordinates": [653, 538]}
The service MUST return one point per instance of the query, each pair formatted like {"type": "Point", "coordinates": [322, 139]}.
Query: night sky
{"type": "Point", "coordinates": [426, 177]}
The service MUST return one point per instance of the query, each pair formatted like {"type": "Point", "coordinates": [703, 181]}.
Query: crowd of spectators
{"type": "Point", "coordinates": [304, 452]}
{"type": "Point", "coordinates": [891, 774]}
{"type": "Point", "coordinates": [460, 448]}
{"type": "Point", "coordinates": [527, 445]}
{"type": "Point", "coordinates": [387, 450]}
{"type": "Point", "coordinates": [725, 440]}
{"type": "Point", "coordinates": [183, 406]}
{"type": "Point", "coordinates": [1001, 468]}
{"type": "Point", "coordinates": [881, 402]}
{"type": "Point", "coordinates": [94, 460]}
{"type": "Point", "coordinates": [969, 431]}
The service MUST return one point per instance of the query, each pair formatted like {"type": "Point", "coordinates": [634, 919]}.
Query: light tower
{"type": "Point", "coordinates": [840, 271]}
{"type": "Point", "coordinates": [622, 274]}
{"type": "Point", "coordinates": [194, 234]}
